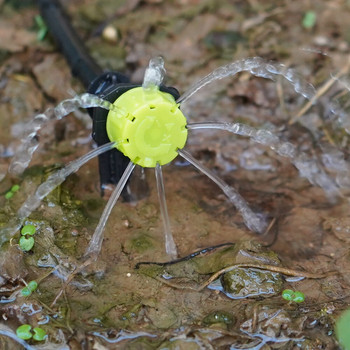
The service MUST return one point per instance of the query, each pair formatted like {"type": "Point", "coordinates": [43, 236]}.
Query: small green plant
{"type": "Point", "coordinates": [26, 292]}
{"type": "Point", "coordinates": [29, 289]}
{"type": "Point", "coordinates": [28, 230]}
{"type": "Point", "coordinates": [12, 191]}
{"type": "Point", "coordinates": [309, 20]}
{"type": "Point", "coordinates": [42, 28]}
{"type": "Point", "coordinates": [15, 188]}
{"type": "Point", "coordinates": [342, 329]}
{"type": "Point", "coordinates": [26, 242]}
{"type": "Point", "coordinates": [24, 332]}
{"type": "Point", "coordinates": [39, 334]}
{"type": "Point", "coordinates": [291, 295]}
{"type": "Point", "coordinates": [8, 195]}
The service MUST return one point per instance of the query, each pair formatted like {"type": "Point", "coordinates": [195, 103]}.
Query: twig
{"type": "Point", "coordinates": [185, 258]}
{"type": "Point", "coordinates": [322, 90]}
{"type": "Point", "coordinates": [69, 279]}
{"type": "Point", "coordinates": [273, 268]}
{"type": "Point", "coordinates": [272, 222]}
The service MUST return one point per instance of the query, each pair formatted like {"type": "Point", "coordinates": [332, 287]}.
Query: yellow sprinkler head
{"type": "Point", "coordinates": [148, 126]}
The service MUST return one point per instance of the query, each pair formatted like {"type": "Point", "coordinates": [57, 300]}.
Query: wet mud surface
{"type": "Point", "coordinates": [119, 303]}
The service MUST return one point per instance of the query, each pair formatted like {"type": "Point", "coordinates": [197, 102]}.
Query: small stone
{"type": "Point", "coordinates": [110, 34]}
{"type": "Point", "coordinates": [75, 233]}
{"type": "Point", "coordinates": [243, 283]}
{"type": "Point", "coordinates": [126, 223]}
{"type": "Point", "coordinates": [218, 317]}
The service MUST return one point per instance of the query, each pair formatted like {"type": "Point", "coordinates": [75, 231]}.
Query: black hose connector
{"type": "Point", "coordinates": [113, 163]}
{"type": "Point", "coordinates": [82, 64]}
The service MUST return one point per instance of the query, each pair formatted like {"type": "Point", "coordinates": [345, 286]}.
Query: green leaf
{"type": "Point", "coordinates": [298, 297]}
{"type": "Point", "coordinates": [26, 292]}
{"type": "Point", "coordinates": [42, 28]}
{"type": "Point", "coordinates": [9, 195]}
{"type": "Point", "coordinates": [342, 329]}
{"type": "Point", "coordinates": [291, 295]}
{"type": "Point", "coordinates": [33, 285]}
{"type": "Point", "coordinates": [287, 294]}
{"type": "Point", "coordinates": [41, 34]}
{"type": "Point", "coordinates": [23, 331]}
{"type": "Point", "coordinates": [26, 244]}
{"type": "Point", "coordinates": [28, 230]}
{"type": "Point", "coordinates": [39, 21]}
{"type": "Point", "coordinates": [14, 188]}
{"type": "Point", "coordinates": [39, 334]}
{"type": "Point", "coordinates": [309, 19]}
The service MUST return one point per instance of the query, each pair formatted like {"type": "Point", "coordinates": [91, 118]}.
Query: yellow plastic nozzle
{"type": "Point", "coordinates": [148, 126]}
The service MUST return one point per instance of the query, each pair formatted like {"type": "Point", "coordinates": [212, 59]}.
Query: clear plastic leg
{"type": "Point", "coordinates": [253, 221]}
{"type": "Point", "coordinates": [170, 246]}
{"type": "Point", "coordinates": [96, 241]}
{"type": "Point", "coordinates": [45, 188]}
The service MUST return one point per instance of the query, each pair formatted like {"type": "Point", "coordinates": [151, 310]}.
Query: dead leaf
{"type": "Point", "coordinates": [14, 39]}
{"type": "Point", "coordinates": [53, 76]}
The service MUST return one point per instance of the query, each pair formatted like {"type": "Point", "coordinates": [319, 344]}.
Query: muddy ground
{"type": "Point", "coordinates": [112, 305]}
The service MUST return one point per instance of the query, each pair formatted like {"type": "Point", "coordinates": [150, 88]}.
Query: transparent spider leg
{"type": "Point", "coordinates": [154, 73]}
{"type": "Point", "coordinates": [258, 67]}
{"type": "Point", "coordinates": [54, 180]}
{"type": "Point", "coordinates": [252, 220]}
{"type": "Point", "coordinates": [30, 141]}
{"type": "Point", "coordinates": [334, 105]}
{"type": "Point", "coordinates": [170, 246]}
{"type": "Point", "coordinates": [96, 241]}
{"type": "Point", "coordinates": [308, 167]}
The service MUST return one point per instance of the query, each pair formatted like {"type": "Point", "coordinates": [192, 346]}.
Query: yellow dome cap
{"type": "Point", "coordinates": [148, 126]}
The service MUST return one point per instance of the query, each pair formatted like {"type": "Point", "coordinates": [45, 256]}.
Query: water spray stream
{"type": "Point", "coordinates": [45, 188]}
{"type": "Point", "coordinates": [253, 221]}
{"type": "Point", "coordinates": [258, 67]}
{"type": "Point", "coordinates": [308, 167]}
{"type": "Point", "coordinates": [96, 242]}
{"type": "Point", "coordinates": [170, 246]}
{"type": "Point", "coordinates": [30, 142]}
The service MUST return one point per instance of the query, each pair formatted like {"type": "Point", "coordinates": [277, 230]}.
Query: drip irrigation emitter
{"type": "Point", "coordinates": [114, 87]}
{"type": "Point", "coordinates": [143, 125]}
{"type": "Point", "coordinates": [147, 126]}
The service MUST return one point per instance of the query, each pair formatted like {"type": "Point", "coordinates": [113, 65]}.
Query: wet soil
{"type": "Point", "coordinates": [112, 305]}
